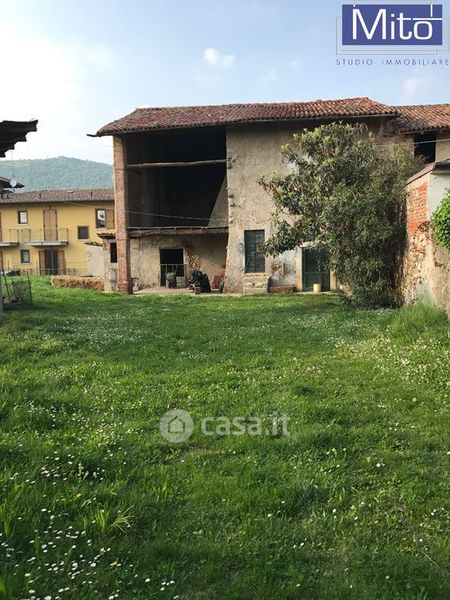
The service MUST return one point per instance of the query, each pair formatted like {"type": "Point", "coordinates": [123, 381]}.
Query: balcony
{"type": "Point", "coordinates": [9, 238]}
{"type": "Point", "coordinates": [44, 238]}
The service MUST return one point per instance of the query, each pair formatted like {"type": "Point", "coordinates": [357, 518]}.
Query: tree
{"type": "Point", "coordinates": [345, 193]}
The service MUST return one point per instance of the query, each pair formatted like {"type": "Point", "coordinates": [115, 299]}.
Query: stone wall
{"type": "Point", "coordinates": [426, 268]}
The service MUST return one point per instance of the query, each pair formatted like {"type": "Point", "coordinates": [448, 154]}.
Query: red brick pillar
{"type": "Point", "coordinates": [124, 285]}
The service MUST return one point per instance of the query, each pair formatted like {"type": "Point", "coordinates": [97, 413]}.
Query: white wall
{"type": "Point", "coordinates": [439, 184]}
{"type": "Point", "coordinates": [443, 146]}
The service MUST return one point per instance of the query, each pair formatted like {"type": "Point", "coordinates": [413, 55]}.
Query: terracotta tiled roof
{"type": "Point", "coordinates": [64, 196]}
{"type": "Point", "coordinates": [425, 117]}
{"type": "Point", "coordinates": [149, 119]}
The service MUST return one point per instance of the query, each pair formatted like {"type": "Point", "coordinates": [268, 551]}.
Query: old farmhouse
{"type": "Point", "coordinates": [187, 193]}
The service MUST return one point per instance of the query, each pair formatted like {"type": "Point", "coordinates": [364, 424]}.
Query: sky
{"type": "Point", "coordinates": [76, 64]}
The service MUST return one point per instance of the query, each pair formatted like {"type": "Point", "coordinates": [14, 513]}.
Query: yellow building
{"type": "Point", "coordinates": [55, 232]}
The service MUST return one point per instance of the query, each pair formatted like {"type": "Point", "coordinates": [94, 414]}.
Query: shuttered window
{"type": "Point", "coordinates": [255, 259]}
{"type": "Point", "coordinates": [104, 218]}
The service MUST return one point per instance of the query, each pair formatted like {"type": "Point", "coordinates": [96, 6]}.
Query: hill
{"type": "Point", "coordinates": [58, 173]}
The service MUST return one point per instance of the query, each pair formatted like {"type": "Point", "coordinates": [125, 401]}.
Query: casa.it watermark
{"type": "Point", "coordinates": [177, 426]}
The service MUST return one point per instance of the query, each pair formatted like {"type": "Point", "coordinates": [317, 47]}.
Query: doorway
{"type": "Point", "coordinates": [313, 269]}
{"type": "Point", "coordinates": [171, 261]}
{"type": "Point", "coordinates": [51, 262]}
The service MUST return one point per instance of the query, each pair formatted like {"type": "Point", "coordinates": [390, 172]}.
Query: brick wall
{"type": "Point", "coordinates": [124, 284]}
{"type": "Point", "coordinates": [417, 207]}
{"type": "Point", "coordinates": [426, 266]}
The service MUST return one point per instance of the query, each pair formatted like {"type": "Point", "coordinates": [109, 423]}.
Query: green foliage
{"type": "Point", "coordinates": [58, 173]}
{"type": "Point", "coordinates": [345, 193]}
{"type": "Point", "coordinates": [350, 506]}
{"type": "Point", "coordinates": [441, 222]}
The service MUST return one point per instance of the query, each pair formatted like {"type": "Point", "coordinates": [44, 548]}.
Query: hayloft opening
{"type": "Point", "coordinates": [177, 178]}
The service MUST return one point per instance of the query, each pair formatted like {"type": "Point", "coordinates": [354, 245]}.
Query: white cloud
{"type": "Point", "coordinates": [213, 58]}
{"type": "Point", "coordinates": [414, 86]}
{"type": "Point", "coordinates": [295, 64]}
{"type": "Point", "coordinates": [270, 76]}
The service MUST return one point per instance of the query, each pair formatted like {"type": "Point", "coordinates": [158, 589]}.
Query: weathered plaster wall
{"type": "Point", "coordinates": [254, 151]}
{"type": "Point", "coordinates": [94, 255]}
{"type": "Point", "coordinates": [109, 268]}
{"type": "Point", "coordinates": [206, 253]}
{"type": "Point", "coordinates": [439, 184]}
{"type": "Point", "coordinates": [443, 146]}
{"type": "Point", "coordinates": [426, 269]}
{"type": "Point", "coordinates": [219, 215]}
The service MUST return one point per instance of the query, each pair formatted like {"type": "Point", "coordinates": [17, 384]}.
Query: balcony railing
{"type": "Point", "coordinates": [9, 237]}
{"type": "Point", "coordinates": [44, 237]}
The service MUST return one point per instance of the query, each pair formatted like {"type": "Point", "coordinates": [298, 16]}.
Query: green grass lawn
{"type": "Point", "coordinates": [94, 503]}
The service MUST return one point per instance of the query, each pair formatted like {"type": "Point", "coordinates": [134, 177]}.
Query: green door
{"type": "Point", "coordinates": [313, 269]}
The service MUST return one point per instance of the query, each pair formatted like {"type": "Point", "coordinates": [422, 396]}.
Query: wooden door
{"type": "Point", "coordinates": [50, 224]}
{"type": "Point", "coordinates": [1, 237]}
{"type": "Point", "coordinates": [61, 263]}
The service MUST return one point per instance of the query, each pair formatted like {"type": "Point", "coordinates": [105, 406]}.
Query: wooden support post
{"type": "Point", "coordinates": [162, 165]}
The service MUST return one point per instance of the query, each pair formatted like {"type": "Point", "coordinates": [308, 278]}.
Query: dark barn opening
{"type": "Point", "coordinates": [425, 146]}
{"type": "Point", "coordinates": [172, 261]}
{"type": "Point", "coordinates": [176, 177]}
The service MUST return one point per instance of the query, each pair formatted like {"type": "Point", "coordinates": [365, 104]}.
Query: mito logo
{"type": "Point", "coordinates": [392, 24]}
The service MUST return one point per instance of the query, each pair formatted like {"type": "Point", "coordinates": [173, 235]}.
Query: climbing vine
{"type": "Point", "coordinates": [441, 222]}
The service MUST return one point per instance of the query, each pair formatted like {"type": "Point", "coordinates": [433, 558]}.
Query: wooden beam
{"type": "Point", "coordinates": [162, 165]}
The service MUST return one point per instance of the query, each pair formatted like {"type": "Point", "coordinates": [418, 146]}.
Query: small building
{"type": "Point", "coordinates": [426, 268]}
{"type": "Point", "coordinates": [187, 192]}
{"type": "Point", "coordinates": [55, 232]}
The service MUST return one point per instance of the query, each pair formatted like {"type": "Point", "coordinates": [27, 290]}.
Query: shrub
{"type": "Point", "coordinates": [441, 222]}
{"type": "Point", "coordinates": [345, 193]}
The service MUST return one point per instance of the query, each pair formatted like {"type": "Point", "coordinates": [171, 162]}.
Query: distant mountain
{"type": "Point", "coordinates": [57, 173]}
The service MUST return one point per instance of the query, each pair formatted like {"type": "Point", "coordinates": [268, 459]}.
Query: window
{"type": "Point", "coordinates": [22, 217]}
{"type": "Point", "coordinates": [25, 257]}
{"type": "Point", "coordinates": [255, 258]}
{"type": "Point", "coordinates": [113, 252]}
{"type": "Point", "coordinates": [104, 218]}
{"type": "Point", "coordinates": [83, 232]}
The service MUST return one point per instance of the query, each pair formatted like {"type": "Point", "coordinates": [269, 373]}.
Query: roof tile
{"type": "Point", "coordinates": [423, 117]}
{"type": "Point", "coordinates": [152, 119]}
{"type": "Point", "coordinates": [63, 196]}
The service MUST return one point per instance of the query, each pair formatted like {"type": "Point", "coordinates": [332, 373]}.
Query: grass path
{"type": "Point", "coordinates": [94, 503]}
